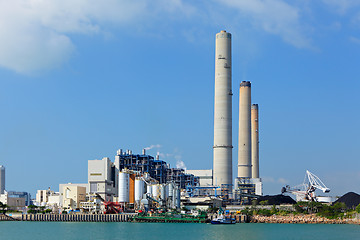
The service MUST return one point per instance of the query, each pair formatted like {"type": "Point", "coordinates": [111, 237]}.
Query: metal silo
{"type": "Point", "coordinates": [123, 187]}
{"type": "Point", "coordinates": [155, 191]}
{"type": "Point", "coordinates": [149, 189]}
{"type": "Point", "coordinates": [139, 189]}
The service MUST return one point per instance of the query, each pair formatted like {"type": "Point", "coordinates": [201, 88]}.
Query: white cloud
{"type": "Point", "coordinates": [355, 40]}
{"type": "Point", "coordinates": [342, 6]}
{"type": "Point", "coordinates": [275, 17]}
{"type": "Point", "coordinates": [35, 34]}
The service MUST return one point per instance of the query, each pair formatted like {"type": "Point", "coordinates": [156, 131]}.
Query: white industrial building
{"type": "Point", "coordinates": [205, 176]}
{"type": "Point", "coordinates": [102, 178]}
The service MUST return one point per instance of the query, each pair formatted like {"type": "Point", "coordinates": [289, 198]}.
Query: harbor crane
{"type": "Point", "coordinates": [306, 191]}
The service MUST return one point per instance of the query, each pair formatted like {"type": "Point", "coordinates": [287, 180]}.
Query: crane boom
{"type": "Point", "coordinates": [306, 191]}
{"type": "Point", "coordinates": [315, 182]}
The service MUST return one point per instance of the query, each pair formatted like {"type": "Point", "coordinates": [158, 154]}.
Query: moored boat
{"type": "Point", "coordinates": [223, 220]}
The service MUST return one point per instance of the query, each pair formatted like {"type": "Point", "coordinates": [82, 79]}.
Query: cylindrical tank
{"type": "Point", "coordinates": [176, 198]}
{"type": "Point", "coordinates": [155, 191]}
{"type": "Point", "coordinates": [222, 168]}
{"type": "Point", "coordinates": [139, 189]}
{"type": "Point", "coordinates": [244, 148]}
{"type": "Point", "coordinates": [123, 187]}
{"type": "Point", "coordinates": [171, 189]}
{"type": "Point", "coordinates": [163, 192]}
{"type": "Point", "coordinates": [255, 140]}
{"type": "Point", "coordinates": [149, 189]}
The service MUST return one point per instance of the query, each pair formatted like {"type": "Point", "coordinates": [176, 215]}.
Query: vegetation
{"type": "Point", "coordinates": [38, 209]}
{"type": "Point", "coordinates": [338, 210]}
{"type": "Point", "coordinates": [357, 209]}
{"type": "Point", "coordinates": [3, 208]}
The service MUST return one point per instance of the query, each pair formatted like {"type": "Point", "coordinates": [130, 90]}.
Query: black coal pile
{"type": "Point", "coordinates": [350, 199]}
{"type": "Point", "coordinates": [277, 199]}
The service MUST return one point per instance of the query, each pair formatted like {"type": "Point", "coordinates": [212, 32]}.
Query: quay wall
{"type": "Point", "coordinates": [75, 217]}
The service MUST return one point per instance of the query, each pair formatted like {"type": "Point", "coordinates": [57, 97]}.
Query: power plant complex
{"type": "Point", "coordinates": [134, 182]}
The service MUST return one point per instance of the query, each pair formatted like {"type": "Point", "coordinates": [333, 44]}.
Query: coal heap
{"type": "Point", "coordinates": [277, 199]}
{"type": "Point", "coordinates": [350, 199]}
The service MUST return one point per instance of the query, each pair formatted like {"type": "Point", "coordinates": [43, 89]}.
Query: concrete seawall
{"type": "Point", "coordinates": [74, 217]}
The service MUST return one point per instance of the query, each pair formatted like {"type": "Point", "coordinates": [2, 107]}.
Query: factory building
{"type": "Point", "coordinates": [180, 178]}
{"type": "Point", "coordinates": [72, 185]}
{"type": "Point", "coordinates": [2, 179]}
{"type": "Point", "coordinates": [101, 178]}
{"type": "Point", "coordinates": [72, 195]}
{"type": "Point", "coordinates": [205, 177]}
{"type": "Point", "coordinates": [142, 163]}
{"type": "Point", "coordinates": [222, 149]}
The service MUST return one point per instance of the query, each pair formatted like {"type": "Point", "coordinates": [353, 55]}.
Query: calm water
{"type": "Point", "coordinates": [151, 231]}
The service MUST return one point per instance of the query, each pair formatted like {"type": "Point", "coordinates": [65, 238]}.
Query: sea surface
{"type": "Point", "coordinates": [185, 231]}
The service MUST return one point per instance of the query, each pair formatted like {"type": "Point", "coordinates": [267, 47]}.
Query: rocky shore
{"type": "Point", "coordinates": [302, 219]}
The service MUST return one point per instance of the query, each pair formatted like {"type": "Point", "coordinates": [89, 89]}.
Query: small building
{"type": "Point", "coordinates": [12, 201]}
{"type": "Point", "coordinates": [48, 198]}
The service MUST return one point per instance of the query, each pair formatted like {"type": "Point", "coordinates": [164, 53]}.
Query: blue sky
{"type": "Point", "coordinates": [81, 79]}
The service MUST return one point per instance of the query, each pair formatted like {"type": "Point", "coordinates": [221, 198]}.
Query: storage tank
{"type": "Point", "coordinates": [171, 189]}
{"type": "Point", "coordinates": [139, 189]}
{"type": "Point", "coordinates": [132, 188]}
{"type": "Point", "coordinates": [155, 191]}
{"type": "Point", "coordinates": [123, 187]}
{"type": "Point", "coordinates": [176, 200]}
{"type": "Point", "coordinates": [149, 189]}
{"type": "Point", "coordinates": [163, 191]}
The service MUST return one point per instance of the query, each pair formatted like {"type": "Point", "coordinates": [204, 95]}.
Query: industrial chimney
{"type": "Point", "coordinates": [222, 169]}
{"type": "Point", "coordinates": [244, 149]}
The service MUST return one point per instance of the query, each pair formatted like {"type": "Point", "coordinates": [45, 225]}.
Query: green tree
{"type": "Point", "coordinates": [3, 208]}
{"type": "Point", "coordinates": [357, 209]}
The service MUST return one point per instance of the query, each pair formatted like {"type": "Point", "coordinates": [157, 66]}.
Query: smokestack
{"type": "Point", "coordinates": [244, 150]}
{"type": "Point", "coordinates": [143, 151]}
{"type": "Point", "coordinates": [255, 140]}
{"type": "Point", "coordinates": [222, 169]}
{"type": "Point", "coordinates": [2, 179]}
